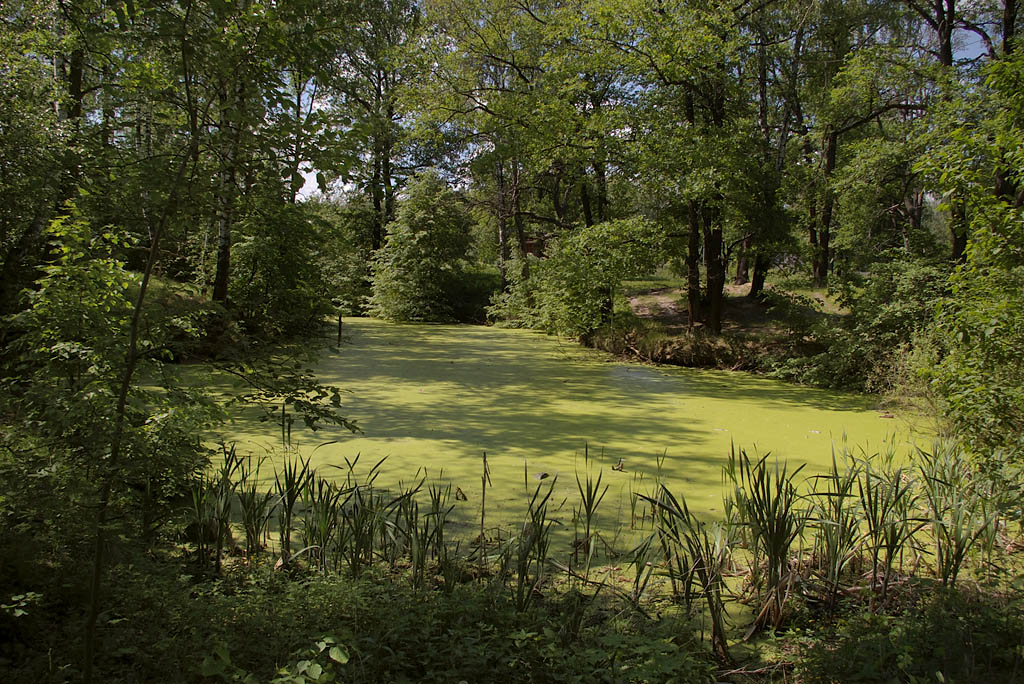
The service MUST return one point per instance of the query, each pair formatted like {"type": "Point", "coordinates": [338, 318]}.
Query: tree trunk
{"type": "Point", "coordinates": [377, 197]}
{"type": "Point", "coordinates": [588, 214]}
{"type": "Point", "coordinates": [226, 187]}
{"type": "Point", "coordinates": [820, 242]}
{"type": "Point", "coordinates": [602, 192]}
{"type": "Point", "coordinates": [1009, 26]}
{"type": "Point", "coordinates": [387, 170]}
{"type": "Point", "coordinates": [715, 263]}
{"type": "Point", "coordinates": [958, 231]}
{"type": "Point", "coordinates": [693, 265]}
{"type": "Point", "coordinates": [502, 217]}
{"type": "Point", "coordinates": [761, 264]}
{"type": "Point", "coordinates": [743, 263]}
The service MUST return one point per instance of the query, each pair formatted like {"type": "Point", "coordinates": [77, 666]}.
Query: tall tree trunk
{"type": "Point", "coordinates": [517, 220]}
{"type": "Point", "coordinates": [714, 260]}
{"type": "Point", "coordinates": [588, 213]}
{"type": "Point", "coordinates": [693, 264]}
{"type": "Point", "coordinates": [502, 211]}
{"type": "Point", "coordinates": [821, 245]}
{"type": "Point", "coordinates": [377, 197]}
{"type": "Point", "coordinates": [387, 168]}
{"type": "Point", "coordinates": [761, 264]}
{"type": "Point", "coordinates": [743, 263]}
{"type": "Point", "coordinates": [602, 192]}
{"type": "Point", "coordinates": [914, 205]}
{"type": "Point", "coordinates": [958, 231]}
{"type": "Point", "coordinates": [226, 191]}
{"type": "Point", "coordinates": [1010, 10]}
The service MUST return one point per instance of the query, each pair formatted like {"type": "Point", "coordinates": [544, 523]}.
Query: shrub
{"type": "Point", "coordinates": [572, 292]}
{"type": "Point", "coordinates": [418, 273]}
{"type": "Point", "coordinates": [889, 307]}
{"type": "Point", "coordinates": [951, 637]}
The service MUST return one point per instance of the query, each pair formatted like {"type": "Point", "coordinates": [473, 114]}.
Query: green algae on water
{"type": "Point", "coordinates": [436, 397]}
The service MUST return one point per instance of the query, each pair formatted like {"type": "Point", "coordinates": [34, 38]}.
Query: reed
{"type": "Point", "coordinates": [707, 548]}
{"type": "Point", "coordinates": [956, 511]}
{"type": "Point", "coordinates": [591, 495]}
{"type": "Point", "coordinates": [256, 506]}
{"type": "Point", "coordinates": [887, 500]}
{"type": "Point", "coordinates": [836, 517]}
{"type": "Point", "coordinates": [320, 515]}
{"type": "Point", "coordinates": [289, 484]}
{"type": "Point", "coordinates": [768, 510]}
{"type": "Point", "coordinates": [529, 550]}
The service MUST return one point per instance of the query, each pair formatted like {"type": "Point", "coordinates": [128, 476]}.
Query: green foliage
{"type": "Point", "coordinates": [947, 637]}
{"type": "Point", "coordinates": [980, 375]}
{"type": "Point", "coordinates": [572, 291]}
{"type": "Point", "coordinates": [70, 346]}
{"type": "Point", "coordinates": [417, 274]}
{"type": "Point", "coordinates": [278, 283]}
{"type": "Point", "coordinates": [890, 307]}
{"type": "Point", "coordinates": [345, 250]}
{"type": "Point", "coordinates": [258, 625]}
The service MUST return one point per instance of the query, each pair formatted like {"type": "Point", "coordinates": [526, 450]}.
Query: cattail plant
{"type": "Point", "coordinates": [320, 518]}
{"type": "Point", "coordinates": [955, 509]}
{"type": "Point", "coordinates": [591, 495]}
{"type": "Point", "coordinates": [201, 515]}
{"type": "Point", "coordinates": [887, 498]}
{"type": "Point", "coordinates": [641, 559]}
{"type": "Point", "coordinates": [289, 484]}
{"type": "Point", "coordinates": [836, 518]}
{"type": "Point", "coordinates": [530, 548]}
{"type": "Point", "coordinates": [767, 507]}
{"type": "Point", "coordinates": [707, 547]}
{"type": "Point", "coordinates": [256, 505]}
{"type": "Point", "coordinates": [223, 499]}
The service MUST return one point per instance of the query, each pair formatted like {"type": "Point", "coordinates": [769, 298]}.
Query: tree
{"type": "Point", "coordinates": [419, 268]}
{"type": "Point", "coordinates": [979, 373]}
{"type": "Point", "coordinates": [572, 292]}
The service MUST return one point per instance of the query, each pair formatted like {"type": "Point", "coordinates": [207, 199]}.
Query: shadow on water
{"type": "Point", "coordinates": [437, 396]}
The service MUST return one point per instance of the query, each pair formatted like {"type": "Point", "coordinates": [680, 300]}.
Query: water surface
{"type": "Point", "coordinates": [438, 397]}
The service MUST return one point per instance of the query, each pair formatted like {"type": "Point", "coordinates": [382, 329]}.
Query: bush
{"type": "Point", "coordinates": [889, 307]}
{"type": "Point", "coordinates": [572, 292]}
{"type": "Point", "coordinates": [418, 274]}
{"type": "Point", "coordinates": [253, 625]}
{"type": "Point", "coordinates": [950, 637]}
{"type": "Point", "coordinates": [277, 282]}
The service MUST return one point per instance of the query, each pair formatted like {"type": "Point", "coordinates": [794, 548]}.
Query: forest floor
{"type": "Point", "coordinates": [742, 314]}
{"type": "Point", "coordinates": [754, 331]}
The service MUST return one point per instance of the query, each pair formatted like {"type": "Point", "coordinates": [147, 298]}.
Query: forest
{"type": "Point", "coordinates": [207, 194]}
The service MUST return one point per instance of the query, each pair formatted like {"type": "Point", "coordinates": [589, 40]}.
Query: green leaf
{"type": "Point", "coordinates": [338, 655]}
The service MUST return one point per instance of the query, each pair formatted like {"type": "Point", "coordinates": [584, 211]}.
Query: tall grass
{"type": "Point", "coordinates": [888, 497]}
{"type": "Point", "coordinates": [770, 513]}
{"type": "Point", "coordinates": [527, 553]}
{"type": "Point", "coordinates": [256, 506]}
{"type": "Point", "coordinates": [591, 495]}
{"type": "Point", "coordinates": [706, 548]}
{"type": "Point", "coordinates": [956, 511]}
{"type": "Point", "coordinates": [871, 511]}
{"type": "Point", "coordinates": [290, 482]}
{"type": "Point", "coordinates": [836, 519]}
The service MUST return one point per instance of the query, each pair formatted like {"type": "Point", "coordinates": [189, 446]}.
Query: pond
{"type": "Point", "coordinates": [544, 409]}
